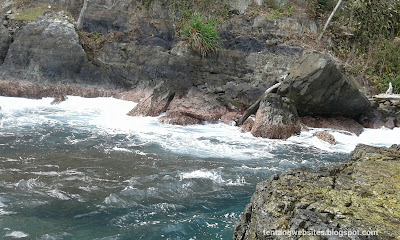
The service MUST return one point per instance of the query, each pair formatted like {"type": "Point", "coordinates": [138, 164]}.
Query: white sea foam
{"type": "Point", "coordinates": [205, 174]}
{"type": "Point", "coordinates": [17, 234]}
{"type": "Point", "coordinates": [107, 116]}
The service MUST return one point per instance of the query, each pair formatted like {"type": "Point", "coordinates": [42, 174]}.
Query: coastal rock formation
{"type": "Point", "coordinates": [276, 118]}
{"type": "Point", "coordinates": [319, 88]}
{"type": "Point", "coordinates": [358, 195]}
{"type": "Point", "coordinates": [5, 40]}
{"type": "Point", "coordinates": [47, 49]}
{"type": "Point", "coordinates": [196, 105]}
{"type": "Point", "coordinates": [325, 136]}
{"type": "Point", "coordinates": [337, 123]}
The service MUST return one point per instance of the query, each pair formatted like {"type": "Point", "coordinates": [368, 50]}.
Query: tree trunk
{"type": "Point", "coordinates": [254, 107]}
{"type": "Point", "coordinates": [329, 19]}
{"type": "Point", "coordinates": [79, 23]}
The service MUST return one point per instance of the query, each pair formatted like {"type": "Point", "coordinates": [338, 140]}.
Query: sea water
{"type": "Point", "coordinates": [83, 169]}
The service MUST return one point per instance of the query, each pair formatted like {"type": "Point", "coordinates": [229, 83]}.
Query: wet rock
{"type": "Point", "coordinates": [155, 103]}
{"type": "Point", "coordinates": [48, 49]}
{"type": "Point", "coordinates": [197, 105]}
{"type": "Point", "coordinates": [5, 40]}
{"type": "Point", "coordinates": [247, 125]}
{"type": "Point", "coordinates": [58, 99]}
{"type": "Point", "coordinates": [337, 123]}
{"type": "Point", "coordinates": [37, 91]}
{"type": "Point", "coordinates": [319, 88]}
{"type": "Point", "coordinates": [276, 118]}
{"type": "Point", "coordinates": [325, 136]}
{"type": "Point", "coordinates": [230, 118]}
{"type": "Point", "coordinates": [358, 195]}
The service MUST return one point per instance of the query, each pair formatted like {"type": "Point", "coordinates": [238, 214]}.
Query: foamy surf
{"type": "Point", "coordinates": [108, 116]}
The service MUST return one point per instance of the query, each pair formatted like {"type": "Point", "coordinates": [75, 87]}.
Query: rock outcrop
{"type": "Point", "coordinates": [276, 118]}
{"type": "Point", "coordinates": [358, 195]}
{"type": "Point", "coordinates": [319, 88]}
{"type": "Point", "coordinates": [337, 123]}
{"type": "Point", "coordinates": [5, 40]}
{"type": "Point", "coordinates": [326, 137]}
{"type": "Point", "coordinates": [46, 50]}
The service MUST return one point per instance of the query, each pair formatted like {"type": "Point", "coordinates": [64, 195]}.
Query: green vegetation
{"type": "Point", "coordinates": [364, 34]}
{"type": "Point", "coordinates": [30, 14]}
{"type": "Point", "coordinates": [92, 43]}
{"type": "Point", "coordinates": [202, 34]}
{"type": "Point", "coordinates": [280, 12]}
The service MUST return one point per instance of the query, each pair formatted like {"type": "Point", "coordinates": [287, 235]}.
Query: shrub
{"type": "Point", "coordinates": [202, 34]}
{"type": "Point", "coordinates": [364, 33]}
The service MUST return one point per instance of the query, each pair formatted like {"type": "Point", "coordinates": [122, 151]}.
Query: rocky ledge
{"type": "Point", "coordinates": [359, 195]}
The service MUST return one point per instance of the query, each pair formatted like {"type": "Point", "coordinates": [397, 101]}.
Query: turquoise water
{"type": "Point", "coordinates": [84, 170]}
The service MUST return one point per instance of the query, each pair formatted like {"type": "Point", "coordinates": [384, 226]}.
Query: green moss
{"type": "Point", "coordinates": [30, 14]}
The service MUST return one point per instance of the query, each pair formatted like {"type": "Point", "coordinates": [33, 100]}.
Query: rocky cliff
{"type": "Point", "coordinates": [358, 195]}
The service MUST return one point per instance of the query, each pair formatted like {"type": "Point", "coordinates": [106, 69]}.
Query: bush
{"type": "Point", "coordinates": [364, 33]}
{"type": "Point", "coordinates": [202, 34]}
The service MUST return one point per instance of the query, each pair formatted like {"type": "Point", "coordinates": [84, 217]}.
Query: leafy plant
{"type": "Point", "coordinates": [202, 34]}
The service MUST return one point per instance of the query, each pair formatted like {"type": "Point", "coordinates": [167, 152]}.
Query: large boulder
{"type": "Point", "coordinates": [318, 87]}
{"type": "Point", "coordinates": [195, 107]}
{"type": "Point", "coordinates": [276, 118]}
{"type": "Point", "coordinates": [5, 40]}
{"type": "Point", "coordinates": [358, 195]}
{"type": "Point", "coordinates": [47, 49]}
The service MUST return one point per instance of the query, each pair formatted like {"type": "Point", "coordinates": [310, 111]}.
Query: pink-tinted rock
{"type": "Point", "coordinates": [134, 95]}
{"type": "Point", "coordinates": [179, 120]}
{"type": "Point", "coordinates": [230, 117]}
{"type": "Point", "coordinates": [276, 118]}
{"type": "Point", "coordinates": [337, 123]}
{"type": "Point", "coordinates": [247, 125]}
{"type": "Point", "coordinates": [197, 105]}
{"type": "Point", "coordinates": [325, 136]}
{"type": "Point", "coordinates": [154, 104]}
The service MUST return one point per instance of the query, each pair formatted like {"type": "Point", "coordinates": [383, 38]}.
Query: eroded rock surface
{"type": "Point", "coordinates": [361, 194]}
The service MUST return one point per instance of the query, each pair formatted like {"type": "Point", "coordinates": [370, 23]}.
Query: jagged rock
{"type": "Point", "coordinates": [58, 99]}
{"type": "Point", "coordinates": [5, 40]}
{"type": "Point", "coordinates": [48, 49]}
{"type": "Point", "coordinates": [276, 118]}
{"type": "Point", "coordinates": [337, 123]}
{"type": "Point", "coordinates": [155, 103]}
{"type": "Point", "coordinates": [358, 195]}
{"type": "Point", "coordinates": [319, 88]}
{"type": "Point", "coordinates": [325, 136]}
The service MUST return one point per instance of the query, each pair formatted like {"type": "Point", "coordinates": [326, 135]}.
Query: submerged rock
{"type": "Point", "coordinates": [358, 195]}
{"type": "Point", "coordinates": [325, 136]}
{"type": "Point", "coordinates": [276, 118]}
{"type": "Point", "coordinates": [319, 88]}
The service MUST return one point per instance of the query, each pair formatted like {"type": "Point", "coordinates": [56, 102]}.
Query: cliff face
{"type": "Point", "coordinates": [358, 195]}
{"type": "Point", "coordinates": [141, 48]}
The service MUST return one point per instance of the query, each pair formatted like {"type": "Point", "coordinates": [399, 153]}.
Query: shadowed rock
{"type": "Point", "coordinates": [319, 88]}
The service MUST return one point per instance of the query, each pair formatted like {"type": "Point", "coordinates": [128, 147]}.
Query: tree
{"type": "Point", "coordinates": [79, 23]}
{"type": "Point", "coordinates": [329, 19]}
